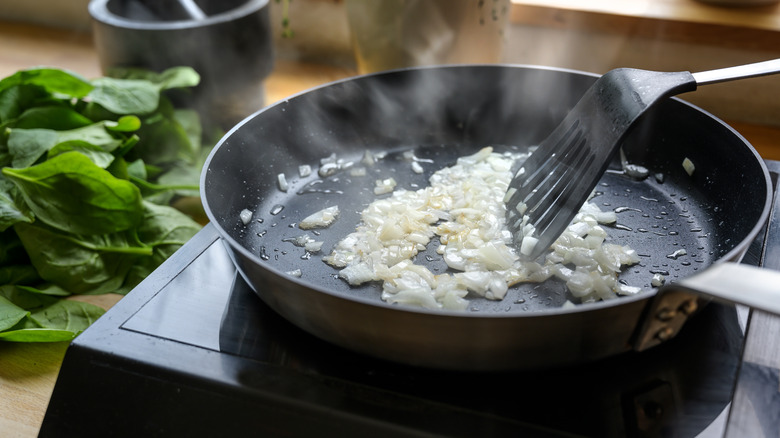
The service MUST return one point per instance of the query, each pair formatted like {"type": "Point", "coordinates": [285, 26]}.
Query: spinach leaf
{"type": "Point", "coordinates": [52, 80]}
{"type": "Point", "coordinates": [24, 298]}
{"type": "Point", "coordinates": [164, 140]}
{"type": "Point", "coordinates": [43, 319]}
{"type": "Point", "coordinates": [10, 314]}
{"type": "Point", "coordinates": [13, 209]}
{"type": "Point", "coordinates": [11, 249]}
{"type": "Point", "coordinates": [37, 334]}
{"type": "Point", "coordinates": [125, 96]}
{"type": "Point", "coordinates": [71, 193]}
{"type": "Point", "coordinates": [96, 263]}
{"type": "Point", "coordinates": [70, 315]}
{"type": "Point", "coordinates": [124, 124]}
{"type": "Point", "coordinates": [46, 289]}
{"type": "Point", "coordinates": [174, 77]}
{"type": "Point", "coordinates": [27, 146]}
{"type": "Point", "coordinates": [18, 274]}
{"type": "Point", "coordinates": [165, 229]}
{"type": "Point", "coordinates": [166, 226]}
{"type": "Point", "coordinates": [100, 157]}
{"type": "Point", "coordinates": [137, 169]}
{"type": "Point", "coordinates": [58, 118]}
{"type": "Point", "coordinates": [15, 99]}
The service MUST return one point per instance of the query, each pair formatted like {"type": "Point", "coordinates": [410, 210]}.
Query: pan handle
{"type": "Point", "coordinates": [730, 282]}
{"type": "Point", "coordinates": [736, 283]}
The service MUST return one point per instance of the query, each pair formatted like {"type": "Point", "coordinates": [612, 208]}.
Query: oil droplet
{"type": "Point", "coordinates": [520, 301]}
{"type": "Point", "coordinates": [260, 221]}
{"type": "Point", "coordinates": [264, 255]}
{"type": "Point", "coordinates": [262, 233]}
{"type": "Point", "coordinates": [622, 209]}
{"type": "Point", "coordinates": [623, 227]}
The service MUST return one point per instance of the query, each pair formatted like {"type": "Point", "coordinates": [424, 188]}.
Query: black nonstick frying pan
{"type": "Point", "coordinates": [442, 113]}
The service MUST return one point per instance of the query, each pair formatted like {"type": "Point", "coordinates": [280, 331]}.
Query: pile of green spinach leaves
{"type": "Point", "coordinates": [89, 168]}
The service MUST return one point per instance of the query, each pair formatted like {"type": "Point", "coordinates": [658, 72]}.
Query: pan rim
{"type": "Point", "coordinates": [735, 254]}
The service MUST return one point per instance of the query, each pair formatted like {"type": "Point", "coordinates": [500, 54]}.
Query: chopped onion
{"type": "Point", "coordinates": [320, 219]}
{"type": "Point", "coordinates": [384, 186]}
{"type": "Point", "coordinates": [328, 169]}
{"type": "Point", "coordinates": [368, 159]}
{"type": "Point", "coordinates": [633, 170]}
{"type": "Point", "coordinates": [295, 273]}
{"type": "Point", "coordinates": [357, 171]}
{"type": "Point", "coordinates": [464, 207]}
{"type": "Point", "coordinates": [245, 216]}
{"type": "Point", "coordinates": [688, 166]}
{"type": "Point", "coordinates": [282, 180]}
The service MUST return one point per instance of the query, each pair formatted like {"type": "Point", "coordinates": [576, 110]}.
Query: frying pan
{"type": "Point", "coordinates": [442, 113]}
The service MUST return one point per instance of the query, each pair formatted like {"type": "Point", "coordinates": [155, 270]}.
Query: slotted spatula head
{"type": "Point", "coordinates": [555, 181]}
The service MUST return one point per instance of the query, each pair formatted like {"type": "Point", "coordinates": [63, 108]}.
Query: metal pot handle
{"type": "Point", "coordinates": [736, 283]}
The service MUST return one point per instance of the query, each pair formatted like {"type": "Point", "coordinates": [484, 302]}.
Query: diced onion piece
{"type": "Point", "coordinates": [320, 219]}
{"type": "Point", "coordinates": [313, 246]}
{"type": "Point", "coordinates": [357, 274]}
{"type": "Point", "coordinates": [328, 169]}
{"type": "Point", "coordinates": [384, 186]}
{"type": "Point", "coordinates": [527, 245]}
{"type": "Point", "coordinates": [368, 159]}
{"type": "Point", "coordinates": [658, 280]}
{"type": "Point", "coordinates": [245, 216]}
{"type": "Point", "coordinates": [688, 166]}
{"type": "Point", "coordinates": [304, 170]}
{"type": "Point", "coordinates": [357, 171]}
{"type": "Point", "coordinates": [295, 273]}
{"type": "Point", "coordinates": [282, 180]}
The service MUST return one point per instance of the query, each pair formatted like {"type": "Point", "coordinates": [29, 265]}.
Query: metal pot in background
{"type": "Point", "coordinates": [228, 42]}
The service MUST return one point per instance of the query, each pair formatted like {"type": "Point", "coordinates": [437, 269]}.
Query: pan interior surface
{"type": "Point", "coordinates": [678, 222]}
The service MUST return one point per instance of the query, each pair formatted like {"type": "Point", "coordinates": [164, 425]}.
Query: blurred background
{"type": "Point", "coordinates": [593, 36]}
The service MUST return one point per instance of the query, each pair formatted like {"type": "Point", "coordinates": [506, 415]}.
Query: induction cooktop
{"type": "Point", "coordinates": [192, 351]}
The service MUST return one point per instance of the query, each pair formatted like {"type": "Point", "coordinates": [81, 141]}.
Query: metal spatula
{"type": "Point", "coordinates": [556, 180]}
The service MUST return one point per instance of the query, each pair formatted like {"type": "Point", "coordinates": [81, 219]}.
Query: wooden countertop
{"type": "Point", "coordinates": [28, 371]}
